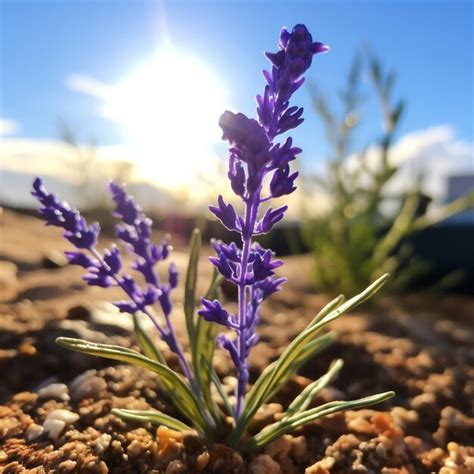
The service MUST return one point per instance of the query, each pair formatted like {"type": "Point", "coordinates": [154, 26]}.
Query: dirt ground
{"type": "Point", "coordinates": [55, 405]}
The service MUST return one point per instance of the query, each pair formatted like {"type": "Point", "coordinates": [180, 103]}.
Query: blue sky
{"type": "Point", "coordinates": [428, 42]}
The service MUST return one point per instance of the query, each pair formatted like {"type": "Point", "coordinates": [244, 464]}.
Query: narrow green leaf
{"type": "Point", "coordinates": [217, 383]}
{"type": "Point", "coordinates": [302, 401]}
{"type": "Point", "coordinates": [294, 348]}
{"type": "Point", "coordinates": [331, 306]}
{"type": "Point", "coordinates": [311, 349]}
{"type": "Point", "coordinates": [146, 344]}
{"type": "Point", "coordinates": [286, 425]}
{"type": "Point", "coordinates": [261, 385]}
{"type": "Point", "coordinates": [181, 395]}
{"type": "Point", "coordinates": [152, 416]}
{"type": "Point", "coordinates": [292, 352]}
{"type": "Point", "coordinates": [261, 391]}
{"type": "Point", "coordinates": [190, 284]}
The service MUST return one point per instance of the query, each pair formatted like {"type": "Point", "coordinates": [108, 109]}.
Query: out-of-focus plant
{"type": "Point", "coordinates": [254, 154]}
{"type": "Point", "coordinates": [363, 232]}
{"type": "Point", "coordinates": [88, 171]}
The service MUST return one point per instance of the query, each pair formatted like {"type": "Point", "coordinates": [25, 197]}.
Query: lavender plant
{"type": "Point", "coordinates": [259, 171]}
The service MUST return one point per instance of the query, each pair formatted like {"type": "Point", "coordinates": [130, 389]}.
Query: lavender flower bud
{"type": "Point", "coordinates": [113, 260]}
{"type": "Point", "coordinates": [237, 177]}
{"type": "Point", "coordinates": [263, 266]}
{"type": "Point", "coordinates": [79, 258]}
{"type": "Point", "coordinates": [243, 132]}
{"type": "Point", "coordinates": [214, 312]}
{"type": "Point", "coordinates": [126, 209]}
{"type": "Point", "coordinates": [270, 218]}
{"type": "Point", "coordinates": [229, 346]}
{"type": "Point", "coordinates": [97, 277]}
{"type": "Point", "coordinates": [282, 182]}
{"type": "Point", "coordinates": [223, 266]}
{"type": "Point", "coordinates": [225, 213]}
{"type": "Point", "coordinates": [173, 275]}
{"type": "Point", "coordinates": [269, 286]}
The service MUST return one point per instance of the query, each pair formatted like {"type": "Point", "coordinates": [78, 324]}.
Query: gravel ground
{"type": "Point", "coordinates": [55, 405]}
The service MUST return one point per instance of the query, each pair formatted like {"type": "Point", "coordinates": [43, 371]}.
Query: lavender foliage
{"type": "Point", "coordinates": [254, 155]}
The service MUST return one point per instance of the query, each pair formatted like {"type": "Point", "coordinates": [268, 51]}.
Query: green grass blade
{"type": "Point", "coordinates": [152, 416]}
{"type": "Point", "coordinates": [271, 432]}
{"type": "Point", "coordinates": [182, 396]}
{"type": "Point", "coordinates": [294, 348]}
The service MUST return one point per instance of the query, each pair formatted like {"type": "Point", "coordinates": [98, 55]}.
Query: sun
{"type": "Point", "coordinates": [169, 108]}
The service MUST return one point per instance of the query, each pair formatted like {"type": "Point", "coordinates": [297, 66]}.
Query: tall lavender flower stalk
{"type": "Point", "coordinates": [253, 155]}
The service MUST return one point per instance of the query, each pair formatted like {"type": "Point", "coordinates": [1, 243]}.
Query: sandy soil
{"type": "Point", "coordinates": [55, 405]}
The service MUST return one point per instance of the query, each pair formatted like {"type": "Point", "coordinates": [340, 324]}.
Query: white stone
{"type": "Point", "coordinates": [53, 427]}
{"type": "Point", "coordinates": [87, 385]}
{"type": "Point", "coordinates": [102, 443]}
{"type": "Point", "coordinates": [33, 431]}
{"type": "Point", "coordinates": [57, 391]}
{"type": "Point", "coordinates": [66, 416]}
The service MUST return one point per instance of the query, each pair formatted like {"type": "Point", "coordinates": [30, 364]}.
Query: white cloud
{"type": "Point", "coordinates": [436, 151]}
{"type": "Point", "coordinates": [22, 158]}
{"type": "Point", "coordinates": [8, 126]}
{"type": "Point", "coordinates": [433, 154]}
{"type": "Point", "coordinates": [89, 85]}
{"type": "Point", "coordinates": [52, 157]}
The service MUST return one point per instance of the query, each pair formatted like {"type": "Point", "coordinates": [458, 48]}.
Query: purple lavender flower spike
{"type": "Point", "coordinates": [106, 270]}
{"type": "Point", "coordinates": [135, 231]}
{"type": "Point", "coordinates": [61, 215]}
{"type": "Point", "coordinates": [252, 156]}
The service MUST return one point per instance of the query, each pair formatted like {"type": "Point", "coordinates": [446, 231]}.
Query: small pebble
{"type": "Point", "coordinates": [102, 443]}
{"type": "Point", "coordinates": [66, 416]}
{"type": "Point", "coordinates": [87, 385]}
{"type": "Point", "coordinates": [54, 259]}
{"type": "Point", "coordinates": [33, 431]}
{"type": "Point", "coordinates": [53, 428]}
{"type": "Point", "coordinates": [264, 464]}
{"type": "Point", "coordinates": [176, 467]}
{"type": "Point", "coordinates": [68, 465]}
{"type": "Point", "coordinates": [56, 391]}
{"type": "Point", "coordinates": [135, 448]}
{"type": "Point", "coordinates": [202, 460]}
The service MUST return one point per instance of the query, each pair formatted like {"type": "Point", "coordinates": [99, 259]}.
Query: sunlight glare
{"type": "Point", "coordinates": [169, 109]}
